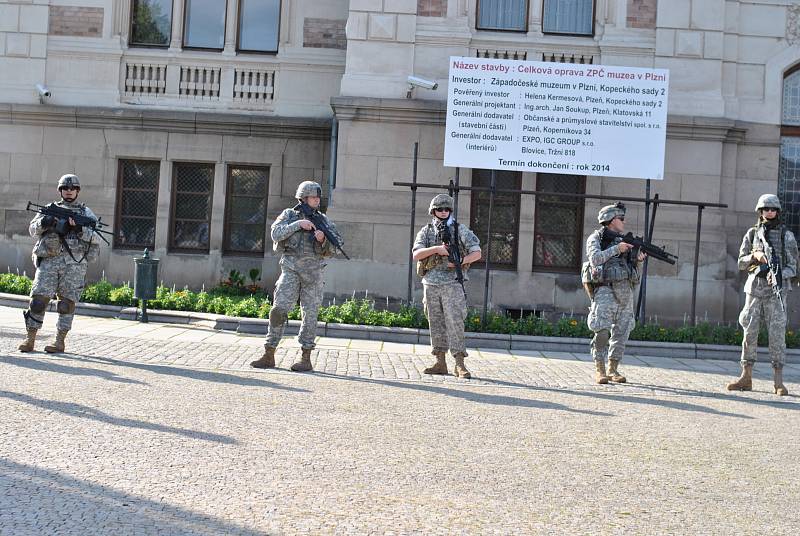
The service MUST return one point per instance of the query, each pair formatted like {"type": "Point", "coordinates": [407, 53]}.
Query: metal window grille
{"type": "Point", "coordinates": [558, 223]}
{"type": "Point", "coordinates": [789, 163]}
{"type": "Point", "coordinates": [501, 54]}
{"type": "Point", "coordinates": [190, 225]}
{"type": "Point", "coordinates": [137, 203]}
{"type": "Point", "coordinates": [246, 210]}
{"type": "Point", "coordinates": [505, 216]}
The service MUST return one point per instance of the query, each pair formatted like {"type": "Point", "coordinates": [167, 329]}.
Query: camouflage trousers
{"type": "Point", "coordinates": [611, 318]}
{"type": "Point", "coordinates": [767, 309]}
{"type": "Point", "coordinates": [55, 276]}
{"type": "Point", "coordinates": [446, 308]}
{"type": "Point", "coordinates": [307, 286]}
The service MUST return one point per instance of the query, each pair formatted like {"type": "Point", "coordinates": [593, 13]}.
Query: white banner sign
{"type": "Point", "coordinates": [556, 117]}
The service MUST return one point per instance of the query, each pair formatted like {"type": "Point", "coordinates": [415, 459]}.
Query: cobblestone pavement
{"type": "Point", "coordinates": [159, 429]}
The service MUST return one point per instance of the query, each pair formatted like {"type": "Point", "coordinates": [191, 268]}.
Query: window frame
{"type": "Point", "coordinates": [239, 31]}
{"type": "Point", "coordinates": [118, 204]}
{"type": "Point", "coordinates": [526, 29]}
{"type": "Point", "coordinates": [171, 248]}
{"type": "Point", "coordinates": [226, 249]}
{"type": "Point", "coordinates": [493, 265]}
{"type": "Point", "coordinates": [184, 46]}
{"type": "Point", "coordinates": [580, 203]}
{"type": "Point", "coordinates": [594, 23]}
{"type": "Point", "coordinates": [131, 44]}
{"type": "Point", "coordinates": [786, 131]}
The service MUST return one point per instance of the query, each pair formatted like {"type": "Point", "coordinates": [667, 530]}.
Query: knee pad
{"type": "Point", "coordinates": [277, 316]}
{"type": "Point", "coordinates": [65, 307]}
{"type": "Point", "coordinates": [601, 337]}
{"type": "Point", "coordinates": [39, 304]}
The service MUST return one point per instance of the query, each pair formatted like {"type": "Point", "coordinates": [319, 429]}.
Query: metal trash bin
{"type": "Point", "coordinates": [145, 281]}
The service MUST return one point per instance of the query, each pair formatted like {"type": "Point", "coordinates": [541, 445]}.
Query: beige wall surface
{"type": "Point", "coordinates": [350, 60]}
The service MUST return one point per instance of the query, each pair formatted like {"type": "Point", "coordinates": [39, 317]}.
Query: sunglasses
{"type": "Point", "coordinates": [621, 218]}
{"type": "Point", "coordinates": [70, 188]}
{"type": "Point", "coordinates": [769, 209]}
{"type": "Point", "coordinates": [442, 209]}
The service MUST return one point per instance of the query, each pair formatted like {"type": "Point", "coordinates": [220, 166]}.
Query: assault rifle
{"type": "Point", "coordinates": [640, 244]}
{"type": "Point", "coordinates": [316, 218]}
{"type": "Point", "coordinates": [62, 216]}
{"type": "Point", "coordinates": [454, 255]}
{"type": "Point", "coordinates": [774, 264]}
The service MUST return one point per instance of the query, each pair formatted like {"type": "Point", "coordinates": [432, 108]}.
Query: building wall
{"type": "Point", "coordinates": [726, 62]}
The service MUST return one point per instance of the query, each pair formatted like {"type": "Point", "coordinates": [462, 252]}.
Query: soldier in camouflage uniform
{"type": "Point", "coordinates": [61, 255]}
{"type": "Point", "coordinates": [303, 251]}
{"type": "Point", "coordinates": [443, 298]}
{"type": "Point", "coordinates": [761, 302]}
{"type": "Point", "coordinates": [616, 274]}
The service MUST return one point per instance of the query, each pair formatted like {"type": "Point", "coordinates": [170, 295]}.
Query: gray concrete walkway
{"type": "Point", "coordinates": [160, 429]}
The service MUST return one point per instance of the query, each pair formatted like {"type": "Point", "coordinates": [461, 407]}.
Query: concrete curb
{"type": "Point", "coordinates": [407, 335]}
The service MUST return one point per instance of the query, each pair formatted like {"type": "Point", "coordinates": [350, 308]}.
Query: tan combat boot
{"type": "Point", "coordinates": [600, 372]}
{"type": "Point", "coordinates": [613, 373]}
{"type": "Point", "coordinates": [304, 365]}
{"type": "Point", "coordinates": [58, 344]}
{"type": "Point", "coordinates": [267, 360]}
{"type": "Point", "coordinates": [27, 346]}
{"type": "Point", "coordinates": [460, 371]}
{"type": "Point", "coordinates": [440, 367]}
{"type": "Point", "coordinates": [780, 389]}
{"type": "Point", "coordinates": [745, 381]}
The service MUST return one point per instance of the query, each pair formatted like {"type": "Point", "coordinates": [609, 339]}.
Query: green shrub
{"type": "Point", "coordinates": [15, 284]}
{"type": "Point", "coordinates": [233, 301]}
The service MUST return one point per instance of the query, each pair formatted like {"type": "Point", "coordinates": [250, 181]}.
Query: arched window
{"type": "Point", "coordinates": [789, 168]}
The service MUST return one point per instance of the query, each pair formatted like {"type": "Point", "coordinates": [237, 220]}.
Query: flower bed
{"type": "Point", "coordinates": [242, 302]}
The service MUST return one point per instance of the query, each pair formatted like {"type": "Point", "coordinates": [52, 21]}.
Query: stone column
{"type": "Point", "coordinates": [176, 43]}
{"type": "Point", "coordinates": [231, 24]}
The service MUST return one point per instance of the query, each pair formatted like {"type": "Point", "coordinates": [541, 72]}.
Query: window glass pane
{"type": "Point", "coordinates": [190, 235]}
{"type": "Point", "coordinates": [789, 182]}
{"type": "Point", "coordinates": [205, 24]}
{"type": "Point", "coordinates": [558, 238]}
{"type": "Point", "coordinates": [791, 99]}
{"type": "Point", "coordinates": [135, 221]}
{"type": "Point", "coordinates": [151, 22]}
{"type": "Point", "coordinates": [568, 16]}
{"type": "Point", "coordinates": [258, 25]}
{"type": "Point", "coordinates": [505, 216]}
{"type": "Point", "coordinates": [502, 15]}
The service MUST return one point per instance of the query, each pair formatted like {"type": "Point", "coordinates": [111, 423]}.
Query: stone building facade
{"type": "Point", "coordinates": [191, 125]}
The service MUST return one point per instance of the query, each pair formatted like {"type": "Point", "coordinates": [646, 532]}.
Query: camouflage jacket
{"type": "Point", "coordinates": [438, 273]}
{"type": "Point", "coordinates": [612, 265]}
{"type": "Point", "coordinates": [787, 253]}
{"type": "Point", "coordinates": [298, 248]}
{"type": "Point", "coordinates": [82, 245]}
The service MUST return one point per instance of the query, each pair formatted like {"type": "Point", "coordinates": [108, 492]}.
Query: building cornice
{"type": "Point", "coordinates": [435, 113]}
{"type": "Point", "coordinates": [167, 121]}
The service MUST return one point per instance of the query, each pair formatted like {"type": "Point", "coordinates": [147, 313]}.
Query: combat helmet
{"type": "Point", "coordinates": [768, 201]}
{"type": "Point", "coordinates": [441, 201]}
{"type": "Point", "coordinates": [308, 189]}
{"type": "Point", "coordinates": [69, 181]}
{"type": "Point", "coordinates": [609, 212]}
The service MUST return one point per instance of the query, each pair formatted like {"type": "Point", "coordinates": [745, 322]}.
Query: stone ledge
{"type": "Point", "coordinates": [407, 335]}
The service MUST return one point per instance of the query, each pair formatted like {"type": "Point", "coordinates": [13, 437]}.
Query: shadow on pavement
{"type": "Point", "coordinates": [193, 374]}
{"type": "Point", "coordinates": [85, 412]}
{"type": "Point", "coordinates": [469, 396]}
{"type": "Point", "coordinates": [39, 498]}
{"type": "Point", "coordinates": [636, 399]}
{"type": "Point", "coordinates": [52, 366]}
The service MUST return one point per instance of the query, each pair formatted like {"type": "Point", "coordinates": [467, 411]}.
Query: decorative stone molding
{"type": "Point", "coordinates": [566, 57]}
{"type": "Point", "coordinates": [168, 121]}
{"type": "Point", "coordinates": [793, 24]}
